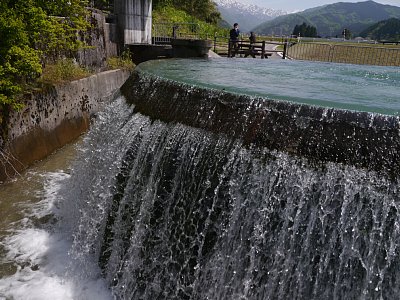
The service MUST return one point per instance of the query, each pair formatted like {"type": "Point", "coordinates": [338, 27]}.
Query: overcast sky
{"type": "Point", "coordinates": [296, 5]}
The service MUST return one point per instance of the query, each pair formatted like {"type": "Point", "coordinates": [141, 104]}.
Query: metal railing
{"type": "Point", "coordinates": [164, 32]}
{"type": "Point", "coordinates": [353, 54]}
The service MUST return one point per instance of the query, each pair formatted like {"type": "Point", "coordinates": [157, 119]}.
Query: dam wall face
{"type": "Point", "coordinates": [54, 118]}
{"type": "Point", "coordinates": [360, 139]}
{"type": "Point", "coordinates": [197, 193]}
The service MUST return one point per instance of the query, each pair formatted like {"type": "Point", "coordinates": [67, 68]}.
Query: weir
{"type": "Point", "coordinates": [320, 134]}
{"type": "Point", "coordinates": [204, 194]}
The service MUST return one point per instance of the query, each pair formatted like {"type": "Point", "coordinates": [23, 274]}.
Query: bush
{"type": "Point", "coordinates": [63, 71]}
{"type": "Point", "coordinates": [121, 62]}
{"type": "Point", "coordinates": [171, 15]}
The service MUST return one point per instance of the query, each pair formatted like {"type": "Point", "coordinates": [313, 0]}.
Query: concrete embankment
{"type": "Point", "coordinates": [54, 118]}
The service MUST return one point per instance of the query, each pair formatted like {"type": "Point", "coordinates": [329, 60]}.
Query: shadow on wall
{"type": "Point", "coordinates": [54, 118]}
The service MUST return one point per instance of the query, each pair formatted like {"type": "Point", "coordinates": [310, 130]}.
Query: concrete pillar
{"type": "Point", "coordinates": [134, 20]}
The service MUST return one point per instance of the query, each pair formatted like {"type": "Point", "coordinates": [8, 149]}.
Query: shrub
{"type": "Point", "coordinates": [121, 62]}
{"type": "Point", "coordinates": [62, 71]}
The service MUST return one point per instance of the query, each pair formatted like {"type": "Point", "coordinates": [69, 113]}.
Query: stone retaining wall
{"type": "Point", "coordinates": [54, 118]}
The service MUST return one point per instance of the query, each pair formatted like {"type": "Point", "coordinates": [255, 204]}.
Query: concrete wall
{"type": "Point", "coordinates": [102, 42]}
{"type": "Point", "coordinates": [134, 19]}
{"type": "Point", "coordinates": [54, 118]}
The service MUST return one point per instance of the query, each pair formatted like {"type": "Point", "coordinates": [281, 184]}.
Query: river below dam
{"type": "Point", "coordinates": [34, 259]}
{"type": "Point", "coordinates": [182, 190]}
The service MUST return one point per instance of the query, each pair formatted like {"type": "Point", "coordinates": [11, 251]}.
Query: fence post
{"type": "Point", "coordinates": [330, 55]}
{"type": "Point", "coordinates": [215, 42]}
{"type": "Point", "coordinates": [285, 46]}
{"type": "Point", "coordinates": [229, 48]}
{"type": "Point", "coordinates": [174, 31]}
{"type": "Point", "coordinates": [263, 50]}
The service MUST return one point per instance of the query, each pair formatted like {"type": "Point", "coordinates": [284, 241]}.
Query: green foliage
{"type": "Point", "coordinates": [204, 10]}
{"type": "Point", "coordinates": [104, 5]}
{"type": "Point", "coordinates": [347, 34]}
{"type": "Point", "coordinates": [305, 30]}
{"type": "Point", "coordinates": [64, 70]}
{"type": "Point", "coordinates": [121, 62]}
{"type": "Point", "coordinates": [29, 31]}
{"type": "Point", "coordinates": [384, 30]}
{"type": "Point", "coordinates": [331, 19]}
{"type": "Point", "coordinates": [169, 14]}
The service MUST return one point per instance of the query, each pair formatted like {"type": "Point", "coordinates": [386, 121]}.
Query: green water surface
{"type": "Point", "coordinates": [345, 86]}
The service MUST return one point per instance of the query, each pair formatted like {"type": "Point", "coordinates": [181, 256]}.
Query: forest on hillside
{"type": "Point", "coordinates": [384, 30]}
{"type": "Point", "coordinates": [330, 20]}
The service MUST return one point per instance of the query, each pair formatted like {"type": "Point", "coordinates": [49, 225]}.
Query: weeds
{"type": "Point", "coordinates": [121, 62]}
{"type": "Point", "coordinates": [62, 71]}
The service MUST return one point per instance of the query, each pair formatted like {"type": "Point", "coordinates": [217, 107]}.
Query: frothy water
{"type": "Point", "coordinates": [35, 258]}
{"type": "Point", "coordinates": [152, 209]}
{"type": "Point", "coordinates": [172, 212]}
{"type": "Point", "coordinates": [356, 87]}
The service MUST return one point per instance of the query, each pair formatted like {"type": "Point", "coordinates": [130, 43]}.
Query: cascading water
{"type": "Point", "coordinates": [190, 193]}
{"type": "Point", "coordinates": [207, 214]}
{"type": "Point", "coordinates": [194, 215]}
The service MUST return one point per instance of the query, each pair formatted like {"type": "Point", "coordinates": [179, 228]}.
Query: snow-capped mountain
{"type": "Point", "coordinates": [247, 15]}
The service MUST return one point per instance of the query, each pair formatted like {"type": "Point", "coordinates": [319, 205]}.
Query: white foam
{"type": "Point", "coordinates": [45, 269]}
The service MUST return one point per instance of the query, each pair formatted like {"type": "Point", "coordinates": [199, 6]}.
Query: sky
{"type": "Point", "coordinates": [297, 5]}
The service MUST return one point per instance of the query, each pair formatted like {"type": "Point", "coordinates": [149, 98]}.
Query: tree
{"type": "Point", "coordinates": [305, 30]}
{"type": "Point", "coordinates": [384, 30]}
{"type": "Point", "coordinates": [204, 10]}
{"type": "Point", "coordinates": [29, 31]}
{"type": "Point", "coordinates": [346, 33]}
{"type": "Point", "coordinates": [105, 5]}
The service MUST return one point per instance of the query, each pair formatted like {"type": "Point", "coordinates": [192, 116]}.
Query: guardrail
{"type": "Point", "coordinates": [353, 54]}
{"type": "Point", "coordinates": [164, 32]}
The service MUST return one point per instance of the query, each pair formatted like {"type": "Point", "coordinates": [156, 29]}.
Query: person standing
{"type": "Point", "coordinates": [253, 40]}
{"type": "Point", "coordinates": [252, 37]}
{"type": "Point", "coordinates": [234, 39]}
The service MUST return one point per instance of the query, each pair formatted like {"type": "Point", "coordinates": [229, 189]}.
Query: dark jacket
{"type": "Point", "coordinates": [234, 34]}
{"type": "Point", "coordinates": [252, 38]}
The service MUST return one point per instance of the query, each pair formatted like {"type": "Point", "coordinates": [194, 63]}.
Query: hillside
{"type": "Point", "coordinates": [384, 30]}
{"type": "Point", "coordinates": [331, 19]}
{"type": "Point", "coordinates": [248, 16]}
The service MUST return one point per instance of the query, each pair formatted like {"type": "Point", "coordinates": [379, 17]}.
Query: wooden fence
{"type": "Point", "coordinates": [224, 47]}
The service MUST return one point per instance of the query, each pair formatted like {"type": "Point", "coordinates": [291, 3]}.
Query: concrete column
{"type": "Point", "coordinates": [134, 19]}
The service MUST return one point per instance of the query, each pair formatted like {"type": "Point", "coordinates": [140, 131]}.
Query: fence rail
{"type": "Point", "coordinates": [365, 55]}
{"type": "Point", "coordinates": [164, 32]}
{"type": "Point", "coordinates": [317, 51]}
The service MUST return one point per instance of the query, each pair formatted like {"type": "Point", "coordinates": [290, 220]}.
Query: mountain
{"type": "Point", "coordinates": [330, 20]}
{"type": "Point", "coordinates": [248, 16]}
{"type": "Point", "coordinates": [384, 30]}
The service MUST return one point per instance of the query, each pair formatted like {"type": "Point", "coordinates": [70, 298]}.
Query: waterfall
{"type": "Point", "coordinates": [183, 193]}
